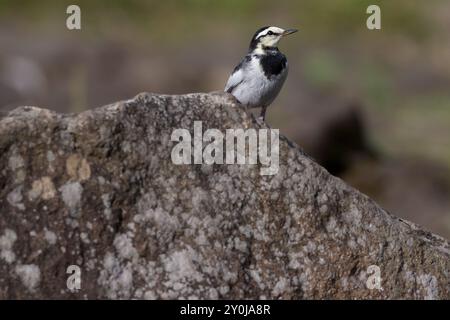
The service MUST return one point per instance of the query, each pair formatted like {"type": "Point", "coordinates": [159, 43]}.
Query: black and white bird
{"type": "Point", "coordinates": [258, 78]}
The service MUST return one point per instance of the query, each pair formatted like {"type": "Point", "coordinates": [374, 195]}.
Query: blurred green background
{"type": "Point", "coordinates": [373, 107]}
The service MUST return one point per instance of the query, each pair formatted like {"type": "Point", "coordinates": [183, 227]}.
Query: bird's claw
{"type": "Point", "coordinates": [259, 120]}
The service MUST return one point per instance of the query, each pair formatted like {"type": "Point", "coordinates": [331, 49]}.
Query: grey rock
{"type": "Point", "coordinates": [99, 190]}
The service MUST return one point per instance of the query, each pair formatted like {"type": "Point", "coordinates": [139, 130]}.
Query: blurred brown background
{"type": "Point", "coordinates": [373, 107]}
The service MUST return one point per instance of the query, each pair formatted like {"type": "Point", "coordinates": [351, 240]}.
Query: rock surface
{"type": "Point", "coordinates": [99, 190]}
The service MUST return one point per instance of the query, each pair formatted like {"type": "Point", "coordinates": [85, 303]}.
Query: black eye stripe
{"type": "Point", "coordinates": [270, 33]}
{"type": "Point", "coordinates": [259, 34]}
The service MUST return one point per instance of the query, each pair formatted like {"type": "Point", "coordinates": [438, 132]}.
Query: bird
{"type": "Point", "coordinates": [256, 81]}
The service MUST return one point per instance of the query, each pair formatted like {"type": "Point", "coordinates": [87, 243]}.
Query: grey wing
{"type": "Point", "coordinates": [236, 78]}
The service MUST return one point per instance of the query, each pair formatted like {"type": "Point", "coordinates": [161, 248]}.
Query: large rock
{"type": "Point", "coordinates": [99, 190]}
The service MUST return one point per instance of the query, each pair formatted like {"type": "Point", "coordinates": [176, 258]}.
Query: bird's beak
{"type": "Point", "coordinates": [289, 31]}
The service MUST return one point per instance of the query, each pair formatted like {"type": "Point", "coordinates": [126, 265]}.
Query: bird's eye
{"type": "Point", "coordinates": [270, 33]}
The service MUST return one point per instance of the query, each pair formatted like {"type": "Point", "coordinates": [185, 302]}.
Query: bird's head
{"type": "Point", "coordinates": [268, 37]}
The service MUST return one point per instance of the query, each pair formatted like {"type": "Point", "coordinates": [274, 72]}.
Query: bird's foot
{"type": "Point", "coordinates": [259, 120]}
{"type": "Point", "coordinates": [262, 115]}
{"type": "Point", "coordinates": [262, 122]}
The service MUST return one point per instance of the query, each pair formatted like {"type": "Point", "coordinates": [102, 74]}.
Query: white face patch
{"type": "Point", "coordinates": [274, 30]}
{"type": "Point", "coordinates": [270, 36]}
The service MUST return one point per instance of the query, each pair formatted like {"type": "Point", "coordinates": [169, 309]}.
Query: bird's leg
{"type": "Point", "coordinates": [263, 113]}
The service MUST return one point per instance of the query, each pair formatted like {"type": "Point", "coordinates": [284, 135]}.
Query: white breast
{"type": "Point", "coordinates": [256, 90]}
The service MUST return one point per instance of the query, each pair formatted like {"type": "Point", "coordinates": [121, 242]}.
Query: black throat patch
{"type": "Point", "coordinates": [273, 63]}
